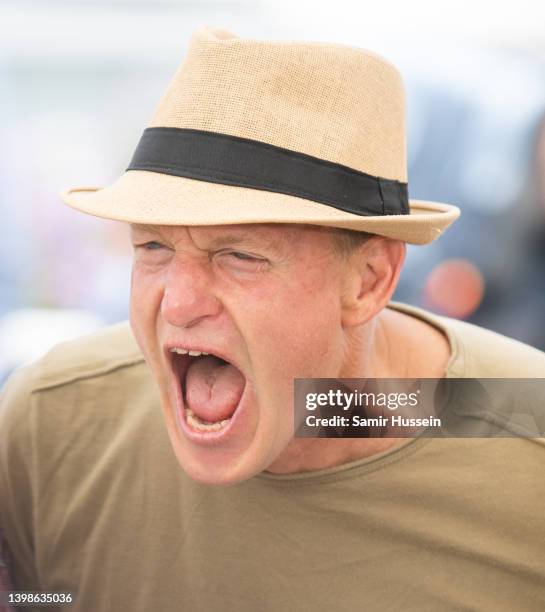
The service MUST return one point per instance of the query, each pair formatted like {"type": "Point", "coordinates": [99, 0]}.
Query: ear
{"type": "Point", "coordinates": [370, 279]}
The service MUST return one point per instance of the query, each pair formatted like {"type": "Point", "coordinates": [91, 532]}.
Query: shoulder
{"type": "Point", "coordinates": [75, 423]}
{"type": "Point", "coordinates": [99, 368]}
{"type": "Point", "coordinates": [96, 354]}
{"type": "Point", "coordinates": [488, 354]}
{"type": "Point", "coordinates": [482, 353]}
{"type": "Point", "coordinates": [97, 389]}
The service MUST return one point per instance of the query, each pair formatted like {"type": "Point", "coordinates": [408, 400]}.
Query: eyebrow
{"type": "Point", "coordinates": [248, 238]}
{"type": "Point", "coordinates": [232, 239]}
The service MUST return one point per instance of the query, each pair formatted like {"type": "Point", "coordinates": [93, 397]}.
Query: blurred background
{"type": "Point", "coordinates": [79, 80]}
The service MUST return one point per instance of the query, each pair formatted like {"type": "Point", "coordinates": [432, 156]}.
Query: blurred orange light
{"type": "Point", "coordinates": [455, 287]}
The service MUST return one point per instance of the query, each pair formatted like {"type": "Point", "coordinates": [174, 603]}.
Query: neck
{"type": "Point", "coordinates": [394, 345]}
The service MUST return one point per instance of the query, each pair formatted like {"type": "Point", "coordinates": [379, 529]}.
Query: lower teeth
{"type": "Point", "coordinates": [201, 425]}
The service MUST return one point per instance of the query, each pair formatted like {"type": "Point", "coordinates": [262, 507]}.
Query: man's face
{"type": "Point", "coordinates": [266, 299]}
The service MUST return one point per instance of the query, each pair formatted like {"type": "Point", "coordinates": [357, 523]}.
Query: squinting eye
{"type": "Point", "coordinates": [244, 256]}
{"type": "Point", "coordinates": [151, 246]}
{"type": "Point", "coordinates": [242, 262]}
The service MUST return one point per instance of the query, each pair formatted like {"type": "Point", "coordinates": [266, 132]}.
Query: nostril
{"type": "Point", "coordinates": [188, 299]}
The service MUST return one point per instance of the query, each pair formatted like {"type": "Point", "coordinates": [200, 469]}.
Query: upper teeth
{"type": "Point", "coordinates": [182, 351]}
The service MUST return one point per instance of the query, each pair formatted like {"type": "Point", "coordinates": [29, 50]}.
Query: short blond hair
{"type": "Point", "coordinates": [345, 241]}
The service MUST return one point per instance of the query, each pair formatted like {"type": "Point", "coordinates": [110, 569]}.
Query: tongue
{"type": "Point", "coordinates": [213, 388]}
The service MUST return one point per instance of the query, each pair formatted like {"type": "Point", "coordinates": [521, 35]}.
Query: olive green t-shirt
{"type": "Point", "coordinates": [93, 501]}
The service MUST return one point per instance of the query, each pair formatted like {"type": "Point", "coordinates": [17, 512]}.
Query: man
{"type": "Point", "coordinates": [239, 196]}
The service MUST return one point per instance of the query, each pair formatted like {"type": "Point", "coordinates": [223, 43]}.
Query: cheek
{"type": "Point", "coordinates": [290, 327]}
{"type": "Point", "coordinates": [145, 299]}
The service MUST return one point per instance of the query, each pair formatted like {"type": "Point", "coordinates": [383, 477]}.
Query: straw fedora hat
{"type": "Point", "coordinates": [253, 131]}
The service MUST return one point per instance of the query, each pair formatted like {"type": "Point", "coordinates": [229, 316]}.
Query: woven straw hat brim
{"type": "Point", "coordinates": [160, 199]}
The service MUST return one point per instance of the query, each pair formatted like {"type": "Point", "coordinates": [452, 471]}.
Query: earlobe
{"type": "Point", "coordinates": [371, 280]}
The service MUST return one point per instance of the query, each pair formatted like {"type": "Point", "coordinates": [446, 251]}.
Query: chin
{"type": "Point", "coordinates": [219, 470]}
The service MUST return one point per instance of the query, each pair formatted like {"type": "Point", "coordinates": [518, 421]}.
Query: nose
{"type": "Point", "coordinates": [188, 296]}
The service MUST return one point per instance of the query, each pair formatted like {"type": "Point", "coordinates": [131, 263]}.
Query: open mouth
{"type": "Point", "coordinates": [209, 388]}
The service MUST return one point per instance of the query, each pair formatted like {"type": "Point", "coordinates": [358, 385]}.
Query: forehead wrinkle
{"type": "Point", "coordinates": [140, 227]}
{"type": "Point", "coordinates": [230, 239]}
